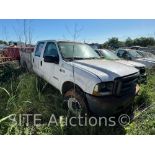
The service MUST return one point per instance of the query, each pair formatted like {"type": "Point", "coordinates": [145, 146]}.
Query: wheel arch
{"type": "Point", "coordinates": [69, 85]}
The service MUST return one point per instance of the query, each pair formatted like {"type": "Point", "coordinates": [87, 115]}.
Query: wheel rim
{"type": "Point", "coordinates": [74, 106]}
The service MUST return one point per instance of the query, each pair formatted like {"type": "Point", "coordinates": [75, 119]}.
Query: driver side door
{"type": "Point", "coordinates": [49, 68]}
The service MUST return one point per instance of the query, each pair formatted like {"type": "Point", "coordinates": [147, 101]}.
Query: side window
{"type": "Point", "coordinates": [50, 49]}
{"type": "Point", "coordinates": [120, 53]}
{"type": "Point", "coordinates": [39, 49]}
{"type": "Point", "coordinates": [125, 55]}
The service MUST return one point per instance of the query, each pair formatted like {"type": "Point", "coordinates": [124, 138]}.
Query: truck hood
{"type": "Point", "coordinates": [130, 63]}
{"type": "Point", "coordinates": [151, 60]}
{"type": "Point", "coordinates": [106, 70]}
{"type": "Point", "coordinates": [149, 63]}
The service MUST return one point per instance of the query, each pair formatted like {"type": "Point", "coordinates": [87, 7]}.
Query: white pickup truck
{"type": "Point", "coordinates": [87, 82]}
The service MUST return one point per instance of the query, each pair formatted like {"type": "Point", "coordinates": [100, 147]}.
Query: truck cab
{"type": "Point", "coordinates": [87, 82]}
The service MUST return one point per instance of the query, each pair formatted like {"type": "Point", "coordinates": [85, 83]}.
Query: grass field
{"type": "Point", "coordinates": [24, 93]}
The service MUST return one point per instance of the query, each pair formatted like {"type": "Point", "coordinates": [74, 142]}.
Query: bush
{"type": "Point", "coordinates": [144, 122]}
{"type": "Point", "coordinates": [7, 72]}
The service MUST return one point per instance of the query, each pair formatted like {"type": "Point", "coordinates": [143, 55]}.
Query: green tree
{"type": "Point", "coordinates": [143, 41]}
{"type": "Point", "coordinates": [3, 42]}
{"type": "Point", "coordinates": [113, 43]}
{"type": "Point", "coordinates": [129, 42]}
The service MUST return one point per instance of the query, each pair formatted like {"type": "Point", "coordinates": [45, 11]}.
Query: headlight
{"type": "Point", "coordinates": [102, 89]}
{"type": "Point", "coordinates": [142, 70]}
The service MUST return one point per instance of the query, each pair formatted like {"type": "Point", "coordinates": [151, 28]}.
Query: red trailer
{"type": "Point", "coordinates": [12, 53]}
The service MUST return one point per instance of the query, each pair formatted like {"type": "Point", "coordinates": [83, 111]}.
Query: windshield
{"type": "Point", "coordinates": [150, 55]}
{"type": "Point", "coordinates": [135, 54]}
{"type": "Point", "coordinates": [77, 51]}
{"type": "Point", "coordinates": [146, 54]}
{"type": "Point", "coordinates": [107, 54]}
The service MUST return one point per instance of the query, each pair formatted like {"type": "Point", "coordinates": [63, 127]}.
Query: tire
{"type": "Point", "coordinates": [75, 102]}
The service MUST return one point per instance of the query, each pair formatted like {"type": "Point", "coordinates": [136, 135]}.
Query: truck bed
{"type": "Point", "coordinates": [26, 58]}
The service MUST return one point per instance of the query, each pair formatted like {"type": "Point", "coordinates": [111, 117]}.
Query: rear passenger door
{"type": "Point", "coordinates": [37, 57]}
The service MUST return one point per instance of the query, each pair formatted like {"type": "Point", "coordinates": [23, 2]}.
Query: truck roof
{"type": "Point", "coordinates": [127, 49]}
{"type": "Point", "coordinates": [67, 41]}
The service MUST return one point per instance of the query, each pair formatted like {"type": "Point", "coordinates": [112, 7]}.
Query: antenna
{"type": "Point", "coordinates": [75, 37]}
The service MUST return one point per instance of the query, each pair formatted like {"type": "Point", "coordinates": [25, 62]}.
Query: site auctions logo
{"type": "Point", "coordinates": [37, 119]}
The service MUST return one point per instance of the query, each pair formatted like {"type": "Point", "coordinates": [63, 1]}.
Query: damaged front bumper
{"type": "Point", "coordinates": [142, 79]}
{"type": "Point", "coordinates": [108, 105]}
{"type": "Point", "coordinates": [111, 105]}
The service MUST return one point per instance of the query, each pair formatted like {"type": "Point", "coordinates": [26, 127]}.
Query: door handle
{"type": "Point", "coordinates": [62, 70]}
{"type": "Point", "coordinates": [40, 63]}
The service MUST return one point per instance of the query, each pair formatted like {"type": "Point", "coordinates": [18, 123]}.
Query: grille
{"type": "Point", "coordinates": [125, 85]}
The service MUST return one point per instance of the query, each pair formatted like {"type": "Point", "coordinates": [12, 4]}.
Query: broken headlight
{"type": "Point", "coordinates": [142, 70]}
{"type": "Point", "coordinates": [102, 89]}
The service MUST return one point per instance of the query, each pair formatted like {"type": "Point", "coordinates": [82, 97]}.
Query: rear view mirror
{"type": "Point", "coordinates": [51, 59]}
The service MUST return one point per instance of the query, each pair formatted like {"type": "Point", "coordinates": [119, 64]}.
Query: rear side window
{"type": "Point", "coordinates": [39, 49]}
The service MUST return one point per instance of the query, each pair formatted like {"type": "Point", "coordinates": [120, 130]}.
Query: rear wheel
{"type": "Point", "coordinates": [75, 102]}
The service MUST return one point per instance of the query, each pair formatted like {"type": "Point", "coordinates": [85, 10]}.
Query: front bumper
{"type": "Point", "coordinates": [142, 79]}
{"type": "Point", "coordinates": [109, 105]}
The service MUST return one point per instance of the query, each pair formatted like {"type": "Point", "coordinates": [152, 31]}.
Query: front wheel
{"type": "Point", "coordinates": [75, 102]}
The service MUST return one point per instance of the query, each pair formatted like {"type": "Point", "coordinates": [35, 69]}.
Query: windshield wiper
{"type": "Point", "coordinates": [79, 58]}
{"type": "Point", "coordinates": [93, 58]}
{"type": "Point", "coordinates": [73, 58]}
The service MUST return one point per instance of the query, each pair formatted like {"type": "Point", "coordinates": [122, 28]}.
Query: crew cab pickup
{"type": "Point", "coordinates": [87, 82]}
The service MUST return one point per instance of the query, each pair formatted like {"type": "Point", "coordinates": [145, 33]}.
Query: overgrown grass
{"type": "Point", "coordinates": [144, 122]}
{"type": "Point", "coordinates": [25, 93]}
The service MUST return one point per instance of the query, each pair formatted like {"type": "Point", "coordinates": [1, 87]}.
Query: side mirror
{"type": "Point", "coordinates": [51, 59]}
